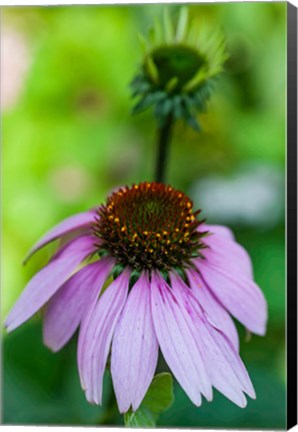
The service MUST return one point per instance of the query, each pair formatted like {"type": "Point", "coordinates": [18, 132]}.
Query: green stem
{"type": "Point", "coordinates": [164, 139]}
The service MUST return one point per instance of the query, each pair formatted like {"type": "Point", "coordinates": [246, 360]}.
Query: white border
{"type": "Point", "coordinates": [13, 3]}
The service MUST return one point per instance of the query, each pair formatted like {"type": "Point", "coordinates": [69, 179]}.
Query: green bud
{"type": "Point", "coordinates": [180, 62]}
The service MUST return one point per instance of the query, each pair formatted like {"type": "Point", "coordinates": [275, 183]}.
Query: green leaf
{"type": "Point", "coordinates": [140, 418]}
{"type": "Point", "coordinates": [159, 397]}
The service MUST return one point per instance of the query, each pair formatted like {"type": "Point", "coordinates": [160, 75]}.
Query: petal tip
{"type": "Point", "coordinates": [92, 399]}
{"type": "Point", "coordinates": [10, 324]}
{"type": "Point", "coordinates": [7, 327]}
{"type": "Point", "coordinates": [197, 402]}
{"type": "Point", "coordinates": [51, 346]}
{"type": "Point", "coordinates": [209, 397]}
{"type": "Point", "coordinates": [124, 409]}
{"type": "Point", "coordinates": [252, 394]}
{"type": "Point", "coordinates": [243, 403]}
{"type": "Point", "coordinates": [136, 404]}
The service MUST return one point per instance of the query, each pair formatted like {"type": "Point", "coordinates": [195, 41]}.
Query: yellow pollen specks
{"type": "Point", "coordinates": [148, 226]}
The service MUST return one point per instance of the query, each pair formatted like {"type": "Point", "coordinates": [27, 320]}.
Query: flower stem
{"type": "Point", "coordinates": [164, 139]}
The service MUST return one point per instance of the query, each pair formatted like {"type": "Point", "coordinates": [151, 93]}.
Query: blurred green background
{"type": "Point", "coordinates": [68, 138]}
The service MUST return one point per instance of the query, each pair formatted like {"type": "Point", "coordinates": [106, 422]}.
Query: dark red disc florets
{"type": "Point", "coordinates": [149, 226]}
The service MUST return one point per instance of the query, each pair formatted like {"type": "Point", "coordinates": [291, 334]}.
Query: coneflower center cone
{"type": "Point", "coordinates": [149, 226]}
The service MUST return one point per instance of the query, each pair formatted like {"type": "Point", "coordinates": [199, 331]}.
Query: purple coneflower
{"type": "Point", "coordinates": [158, 278]}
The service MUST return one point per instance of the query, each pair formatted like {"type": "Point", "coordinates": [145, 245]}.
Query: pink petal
{"type": "Point", "coordinates": [218, 315]}
{"type": "Point", "coordinates": [95, 340]}
{"type": "Point", "coordinates": [226, 254]}
{"type": "Point", "coordinates": [233, 359]}
{"type": "Point", "coordinates": [48, 280]}
{"type": "Point", "coordinates": [68, 306]}
{"type": "Point", "coordinates": [177, 342]}
{"type": "Point", "coordinates": [224, 366]}
{"type": "Point", "coordinates": [134, 348]}
{"type": "Point", "coordinates": [238, 294]}
{"type": "Point", "coordinates": [66, 226]}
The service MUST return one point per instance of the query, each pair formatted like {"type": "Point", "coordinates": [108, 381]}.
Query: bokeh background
{"type": "Point", "coordinates": [69, 138]}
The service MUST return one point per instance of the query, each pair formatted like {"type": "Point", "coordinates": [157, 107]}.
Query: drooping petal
{"type": "Point", "coordinates": [218, 314]}
{"type": "Point", "coordinates": [233, 359]}
{"type": "Point", "coordinates": [227, 254]}
{"type": "Point", "coordinates": [134, 348]}
{"type": "Point", "coordinates": [68, 225]}
{"type": "Point", "coordinates": [95, 340]}
{"type": "Point", "coordinates": [68, 306]}
{"type": "Point", "coordinates": [238, 294]}
{"type": "Point", "coordinates": [177, 342]}
{"type": "Point", "coordinates": [223, 364]}
{"type": "Point", "coordinates": [48, 280]}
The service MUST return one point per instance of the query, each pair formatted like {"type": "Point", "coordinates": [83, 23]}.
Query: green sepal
{"type": "Point", "coordinates": [193, 123]}
{"type": "Point", "coordinates": [172, 84]}
{"type": "Point", "coordinates": [168, 27]}
{"type": "Point", "coordinates": [117, 270]}
{"type": "Point", "coordinates": [182, 24]}
{"type": "Point", "coordinates": [152, 69]}
{"type": "Point", "coordinates": [148, 100]}
{"type": "Point", "coordinates": [182, 106]}
{"type": "Point", "coordinates": [162, 109]}
{"type": "Point", "coordinates": [177, 107]}
{"type": "Point", "coordinates": [135, 274]}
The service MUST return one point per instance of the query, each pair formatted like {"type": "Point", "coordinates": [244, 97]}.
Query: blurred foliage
{"type": "Point", "coordinates": [68, 139]}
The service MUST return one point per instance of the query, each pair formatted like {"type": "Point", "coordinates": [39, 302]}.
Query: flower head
{"type": "Point", "coordinates": [149, 226]}
{"type": "Point", "coordinates": [171, 282]}
{"type": "Point", "coordinates": [178, 69]}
